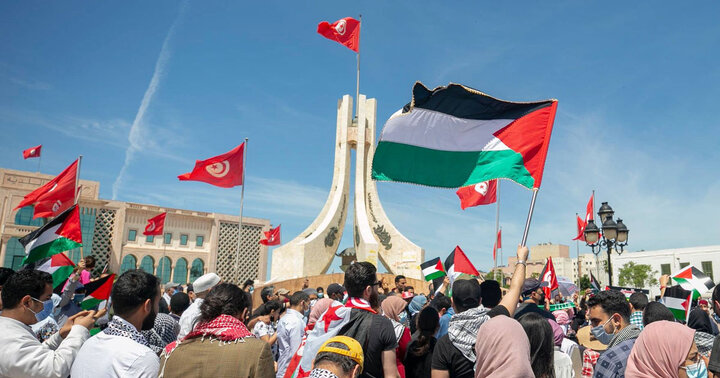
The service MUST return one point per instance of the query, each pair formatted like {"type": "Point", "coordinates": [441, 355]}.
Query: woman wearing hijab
{"type": "Point", "coordinates": [503, 350]}
{"type": "Point", "coordinates": [418, 361]}
{"type": "Point", "coordinates": [657, 355]}
{"type": "Point", "coordinates": [416, 304]}
{"type": "Point", "coordinates": [542, 344]}
{"type": "Point", "coordinates": [392, 307]}
{"type": "Point", "coordinates": [700, 321]}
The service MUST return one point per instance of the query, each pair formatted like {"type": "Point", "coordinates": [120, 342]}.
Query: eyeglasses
{"type": "Point", "coordinates": [377, 283]}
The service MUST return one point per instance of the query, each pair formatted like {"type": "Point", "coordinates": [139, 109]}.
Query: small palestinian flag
{"type": "Point", "coordinates": [678, 301]}
{"type": "Point", "coordinates": [97, 291]}
{"type": "Point", "coordinates": [59, 235]}
{"type": "Point", "coordinates": [594, 284]}
{"type": "Point", "coordinates": [456, 136]}
{"type": "Point", "coordinates": [59, 266]}
{"type": "Point", "coordinates": [432, 269]}
{"type": "Point", "coordinates": [691, 278]}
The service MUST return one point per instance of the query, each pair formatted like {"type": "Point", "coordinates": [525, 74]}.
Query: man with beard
{"type": "Point", "coordinates": [374, 332]}
{"type": "Point", "coordinates": [533, 297]}
{"type": "Point", "coordinates": [121, 350]}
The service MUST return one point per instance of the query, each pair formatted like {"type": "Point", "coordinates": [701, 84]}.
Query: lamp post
{"type": "Point", "coordinates": [614, 234]}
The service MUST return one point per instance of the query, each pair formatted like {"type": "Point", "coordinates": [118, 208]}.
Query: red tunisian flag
{"type": "Point", "coordinates": [483, 193]}
{"type": "Point", "coordinates": [155, 225]}
{"type": "Point", "coordinates": [548, 275]}
{"type": "Point", "coordinates": [581, 229]}
{"type": "Point", "coordinates": [345, 31]}
{"type": "Point", "coordinates": [54, 197]}
{"type": "Point", "coordinates": [272, 237]}
{"type": "Point", "coordinates": [590, 209]}
{"type": "Point", "coordinates": [498, 243]}
{"type": "Point", "coordinates": [32, 152]}
{"type": "Point", "coordinates": [224, 170]}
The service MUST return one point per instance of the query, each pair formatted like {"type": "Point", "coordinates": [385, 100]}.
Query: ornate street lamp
{"type": "Point", "coordinates": [614, 234]}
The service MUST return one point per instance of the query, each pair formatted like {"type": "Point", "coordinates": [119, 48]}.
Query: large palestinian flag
{"type": "Point", "coordinates": [59, 266]}
{"type": "Point", "coordinates": [456, 136]}
{"type": "Point", "coordinates": [678, 301]}
{"type": "Point", "coordinates": [458, 263]}
{"type": "Point", "coordinates": [691, 278]}
{"type": "Point", "coordinates": [97, 291]}
{"type": "Point", "coordinates": [59, 235]}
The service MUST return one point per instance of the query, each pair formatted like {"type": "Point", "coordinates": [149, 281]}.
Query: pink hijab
{"type": "Point", "coordinates": [502, 349]}
{"type": "Point", "coordinates": [558, 333]}
{"type": "Point", "coordinates": [660, 350]}
{"type": "Point", "coordinates": [320, 306]}
{"type": "Point", "coordinates": [392, 307]}
{"type": "Point", "coordinates": [561, 317]}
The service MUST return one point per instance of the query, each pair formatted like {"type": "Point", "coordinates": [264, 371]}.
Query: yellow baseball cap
{"type": "Point", "coordinates": [354, 350]}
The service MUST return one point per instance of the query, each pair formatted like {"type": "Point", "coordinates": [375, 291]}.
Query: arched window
{"type": "Point", "coordinates": [180, 272]}
{"type": "Point", "coordinates": [129, 262]}
{"type": "Point", "coordinates": [197, 269]}
{"type": "Point", "coordinates": [148, 264]}
{"type": "Point", "coordinates": [14, 254]}
{"type": "Point", "coordinates": [163, 269]}
{"type": "Point", "coordinates": [24, 217]}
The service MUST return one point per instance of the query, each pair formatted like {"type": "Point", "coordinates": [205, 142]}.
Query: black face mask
{"type": "Point", "coordinates": [149, 321]}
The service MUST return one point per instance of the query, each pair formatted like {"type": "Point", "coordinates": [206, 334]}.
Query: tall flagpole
{"type": "Point", "coordinates": [529, 217]}
{"type": "Point", "coordinates": [39, 160]}
{"type": "Point", "coordinates": [577, 251]}
{"type": "Point", "coordinates": [242, 197]}
{"type": "Point", "coordinates": [497, 225]}
{"type": "Point", "coordinates": [77, 182]}
{"type": "Point", "coordinates": [357, 81]}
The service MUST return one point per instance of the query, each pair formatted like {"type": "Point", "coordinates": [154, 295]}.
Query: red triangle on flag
{"type": "Point", "coordinates": [462, 263]}
{"type": "Point", "coordinates": [439, 266]}
{"type": "Point", "coordinates": [71, 226]}
{"type": "Point", "coordinates": [685, 273]}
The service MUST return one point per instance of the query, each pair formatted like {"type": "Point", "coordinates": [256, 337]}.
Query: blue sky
{"type": "Point", "coordinates": [152, 86]}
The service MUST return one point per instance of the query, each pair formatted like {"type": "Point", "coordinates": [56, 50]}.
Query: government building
{"type": "Point", "coordinates": [194, 242]}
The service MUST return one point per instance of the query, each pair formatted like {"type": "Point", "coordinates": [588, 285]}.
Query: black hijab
{"type": "Point", "coordinates": [700, 321]}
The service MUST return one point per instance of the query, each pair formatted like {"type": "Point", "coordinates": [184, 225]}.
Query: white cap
{"type": "Point", "coordinates": [205, 282]}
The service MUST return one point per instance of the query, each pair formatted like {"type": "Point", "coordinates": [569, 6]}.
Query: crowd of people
{"type": "Point", "coordinates": [362, 327]}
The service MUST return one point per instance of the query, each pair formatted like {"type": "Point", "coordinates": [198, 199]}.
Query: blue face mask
{"type": "Point", "coordinates": [320, 295]}
{"type": "Point", "coordinates": [77, 298]}
{"type": "Point", "coordinates": [403, 317]}
{"type": "Point", "coordinates": [47, 310]}
{"type": "Point", "coordinates": [601, 335]}
{"type": "Point", "coordinates": [696, 370]}
{"type": "Point", "coordinates": [252, 289]}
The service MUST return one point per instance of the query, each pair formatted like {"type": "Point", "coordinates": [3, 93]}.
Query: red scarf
{"type": "Point", "coordinates": [224, 328]}
{"type": "Point", "coordinates": [359, 303]}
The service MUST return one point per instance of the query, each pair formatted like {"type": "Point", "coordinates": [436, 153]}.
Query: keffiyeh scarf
{"type": "Point", "coordinates": [630, 332]}
{"type": "Point", "coordinates": [120, 327]}
{"type": "Point", "coordinates": [463, 330]}
{"type": "Point", "coordinates": [164, 331]}
{"type": "Point", "coordinates": [322, 373]}
{"type": "Point", "coordinates": [224, 328]}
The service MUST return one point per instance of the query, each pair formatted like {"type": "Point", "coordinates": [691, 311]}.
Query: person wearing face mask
{"type": "Point", "coordinates": [666, 349]}
{"type": "Point", "coordinates": [609, 314]}
{"type": "Point", "coordinates": [393, 308]}
{"type": "Point", "coordinates": [46, 325]}
{"type": "Point", "coordinates": [24, 296]}
{"type": "Point", "coordinates": [533, 299]}
{"type": "Point", "coordinates": [120, 350]}
{"type": "Point", "coordinates": [291, 329]}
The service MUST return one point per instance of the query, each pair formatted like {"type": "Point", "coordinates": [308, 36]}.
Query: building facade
{"type": "Point", "coordinates": [194, 242]}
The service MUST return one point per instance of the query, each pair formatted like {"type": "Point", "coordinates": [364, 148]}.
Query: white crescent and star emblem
{"type": "Point", "coordinates": [56, 206]}
{"type": "Point", "coordinates": [32, 152]}
{"type": "Point", "coordinates": [547, 276]}
{"type": "Point", "coordinates": [482, 188]}
{"type": "Point", "coordinates": [219, 169]}
{"type": "Point", "coordinates": [53, 188]}
{"type": "Point", "coordinates": [340, 27]}
{"type": "Point", "coordinates": [150, 227]}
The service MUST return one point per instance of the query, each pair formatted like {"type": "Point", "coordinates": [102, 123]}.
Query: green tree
{"type": "Point", "coordinates": [637, 275]}
{"type": "Point", "coordinates": [585, 282]}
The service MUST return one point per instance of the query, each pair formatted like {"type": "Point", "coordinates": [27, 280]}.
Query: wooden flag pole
{"type": "Point", "coordinates": [529, 217]}
{"type": "Point", "coordinates": [242, 197]}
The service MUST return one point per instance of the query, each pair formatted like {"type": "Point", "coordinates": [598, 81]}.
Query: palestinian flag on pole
{"type": "Point", "coordinates": [432, 269]}
{"type": "Point", "coordinates": [456, 136]}
{"type": "Point", "coordinates": [97, 291]}
{"type": "Point", "coordinates": [59, 235]}
{"type": "Point", "coordinates": [691, 278]}
{"type": "Point", "coordinates": [60, 268]}
{"type": "Point", "coordinates": [594, 284]}
{"type": "Point", "coordinates": [457, 263]}
{"type": "Point", "coordinates": [678, 301]}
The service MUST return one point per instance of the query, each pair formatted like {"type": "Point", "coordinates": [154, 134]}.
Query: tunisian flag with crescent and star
{"type": "Point", "coordinates": [345, 31]}
{"type": "Point", "coordinates": [483, 193]}
{"type": "Point", "coordinates": [155, 225]}
{"type": "Point", "coordinates": [32, 152]}
{"type": "Point", "coordinates": [580, 229]}
{"type": "Point", "coordinates": [272, 237]}
{"type": "Point", "coordinates": [224, 170]}
{"type": "Point", "coordinates": [54, 197]}
{"type": "Point", "coordinates": [548, 275]}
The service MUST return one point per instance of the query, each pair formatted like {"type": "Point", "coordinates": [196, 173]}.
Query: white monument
{"type": "Point", "coordinates": [375, 238]}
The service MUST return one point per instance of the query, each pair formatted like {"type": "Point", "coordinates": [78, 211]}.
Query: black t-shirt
{"type": "Point", "coordinates": [526, 308]}
{"type": "Point", "coordinates": [418, 366]}
{"type": "Point", "coordinates": [375, 334]}
{"type": "Point", "coordinates": [714, 365]}
{"type": "Point", "coordinates": [449, 358]}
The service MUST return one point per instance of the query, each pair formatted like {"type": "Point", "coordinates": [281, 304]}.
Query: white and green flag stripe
{"type": "Point", "coordinates": [692, 278]}
{"type": "Point", "coordinates": [59, 266]}
{"type": "Point", "coordinates": [59, 235]}
{"type": "Point", "coordinates": [678, 301]}
{"type": "Point", "coordinates": [432, 269]}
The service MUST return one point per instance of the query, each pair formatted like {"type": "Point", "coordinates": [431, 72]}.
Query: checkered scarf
{"type": "Point", "coordinates": [322, 373]}
{"type": "Point", "coordinates": [163, 332]}
{"type": "Point", "coordinates": [463, 330]}
{"type": "Point", "coordinates": [120, 327]}
{"type": "Point", "coordinates": [630, 332]}
{"type": "Point", "coordinates": [224, 328]}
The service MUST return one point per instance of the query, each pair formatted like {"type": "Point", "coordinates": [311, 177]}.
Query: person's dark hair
{"type": "Point", "coordinates": [90, 261]}
{"type": "Point", "coordinates": [611, 301]}
{"type": "Point", "coordinates": [298, 297]}
{"type": "Point", "coordinates": [655, 311]}
{"type": "Point", "coordinates": [427, 324]}
{"type": "Point", "coordinates": [5, 273]}
{"type": "Point", "coordinates": [132, 289]}
{"type": "Point", "coordinates": [266, 293]}
{"type": "Point", "coordinates": [358, 276]}
{"type": "Point", "coordinates": [638, 301]}
{"type": "Point", "coordinates": [440, 302]}
{"type": "Point", "coordinates": [179, 302]}
{"type": "Point", "coordinates": [267, 308]}
{"type": "Point", "coordinates": [542, 346]}
{"type": "Point", "coordinates": [25, 282]}
{"type": "Point", "coordinates": [491, 293]}
{"type": "Point", "coordinates": [320, 289]}
{"type": "Point", "coordinates": [408, 288]}
{"type": "Point", "coordinates": [223, 299]}
{"type": "Point", "coordinates": [399, 277]}
{"type": "Point", "coordinates": [466, 295]}
{"type": "Point", "coordinates": [248, 283]}
{"type": "Point", "coordinates": [344, 362]}
{"type": "Point", "coordinates": [716, 298]}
